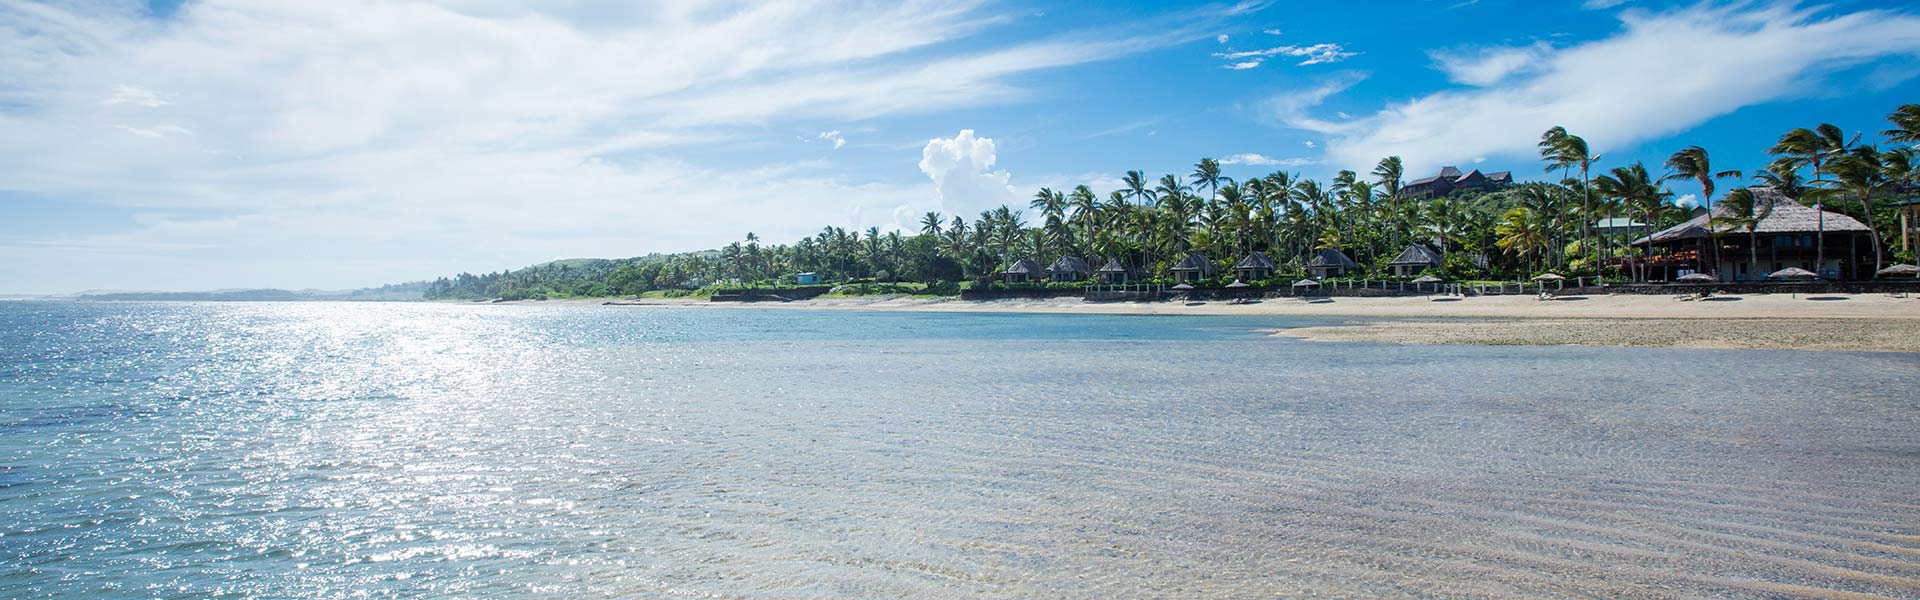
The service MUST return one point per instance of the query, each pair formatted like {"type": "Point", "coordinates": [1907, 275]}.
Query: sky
{"type": "Point", "coordinates": [216, 144]}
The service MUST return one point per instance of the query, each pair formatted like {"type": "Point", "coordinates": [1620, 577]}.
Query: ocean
{"type": "Point", "coordinates": [329, 450]}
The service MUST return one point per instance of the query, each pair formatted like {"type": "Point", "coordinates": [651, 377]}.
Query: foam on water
{"type": "Point", "coordinates": [325, 450]}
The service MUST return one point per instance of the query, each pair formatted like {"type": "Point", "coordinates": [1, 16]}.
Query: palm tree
{"type": "Point", "coordinates": [1744, 210]}
{"type": "Point", "coordinates": [1522, 232]}
{"type": "Point", "coordinates": [1812, 147]}
{"type": "Point", "coordinates": [930, 223]}
{"type": "Point", "coordinates": [1862, 173]}
{"type": "Point", "coordinates": [1693, 163]}
{"type": "Point", "coordinates": [1564, 151]}
{"type": "Point", "coordinates": [1207, 173]}
{"type": "Point", "coordinates": [1388, 175]}
{"type": "Point", "coordinates": [1635, 189]}
{"type": "Point", "coordinates": [1906, 125]}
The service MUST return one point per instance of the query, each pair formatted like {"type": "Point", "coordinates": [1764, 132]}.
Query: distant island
{"type": "Point", "coordinates": [413, 291]}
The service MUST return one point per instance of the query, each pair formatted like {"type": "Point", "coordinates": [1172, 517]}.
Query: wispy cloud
{"type": "Point", "coordinates": [834, 137]}
{"type": "Point", "coordinates": [1709, 61]}
{"type": "Point", "coordinates": [1488, 66]}
{"type": "Point", "coordinates": [1260, 160]}
{"type": "Point", "coordinates": [1311, 55]}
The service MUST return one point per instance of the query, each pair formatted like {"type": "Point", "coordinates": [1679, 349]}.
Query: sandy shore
{"type": "Point", "coordinates": [1874, 322]}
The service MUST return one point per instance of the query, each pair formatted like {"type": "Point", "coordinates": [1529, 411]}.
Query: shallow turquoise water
{"type": "Point", "coordinates": [402, 450]}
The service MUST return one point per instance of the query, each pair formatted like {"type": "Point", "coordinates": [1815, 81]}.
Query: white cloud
{"type": "Point", "coordinates": [1311, 55]}
{"type": "Point", "coordinates": [127, 94]}
{"type": "Point", "coordinates": [961, 169]}
{"type": "Point", "coordinates": [1270, 31]}
{"type": "Point", "coordinates": [1259, 160]}
{"type": "Point", "coordinates": [357, 142]}
{"type": "Point", "coordinates": [1602, 4]}
{"type": "Point", "coordinates": [1222, 38]}
{"type": "Point", "coordinates": [835, 137]}
{"type": "Point", "coordinates": [1708, 61]}
{"type": "Point", "coordinates": [1293, 108]}
{"type": "Point", "coordinates": [1309, 144]}
{"type": "Point", "coordinates": [1687, 201]}
{"type": "Point", "coordinates": [1242, 66]}
{"type": "Point", "coordinates": [1488, 66]}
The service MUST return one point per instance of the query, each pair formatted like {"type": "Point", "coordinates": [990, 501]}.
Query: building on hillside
{"type": "Point", "coordinates": [1451, 179]}
{"type": "Point", "coordinates": [1785, 238]}
{"type": "Point", "coordinates": [1414, 260]}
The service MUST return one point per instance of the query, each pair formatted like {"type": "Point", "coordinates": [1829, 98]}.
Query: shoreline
{"type": "Point", "coordinates": [1841, 322]}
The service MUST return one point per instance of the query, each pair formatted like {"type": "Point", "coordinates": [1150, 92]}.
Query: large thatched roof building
{"type": "Point", "coordinates": [1113, 272]}
{"type": "Point", "coordinates": [1254, 267]}
{"type": "Point", "coordinates": [1785, 237]}
{"type": "Point", "coordinates": [1069, 268]}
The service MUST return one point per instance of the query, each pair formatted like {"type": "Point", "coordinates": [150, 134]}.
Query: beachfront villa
{"type": "Point", "coordinates": [1022, 271]}
{"type": "Point", "coordinates": [1785, 238]}
{"type": "Point", "coordinates": [1414, 260]}
{"type": "Point", "coordinates": [1451, 179]}
{"type": "Point", "coordinates": [1330, 263]}
{"type": "Point", "coordinates": [1192, 268]}
{"type": "Point", "coordinates": [1254, 267]}
{"type": "Point", "coordinates": [1069, 268]}
{"type": "Point", "coordinates": [1113, 272]}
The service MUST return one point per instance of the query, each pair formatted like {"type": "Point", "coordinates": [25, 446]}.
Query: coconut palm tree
{"type": "Point", "coordinates": [1207, 173]}
{"type": "Point", "coordinates": [1694, 163]}
{"type": "Point", "coordinates": [1387, 175]}
{"type": "Point", "coordinates": [1522, 232]}
{"type": "Point", "coordinates": [1862, 173]}
{"type": "Point", "coordinates": [1564, 151]}
{"type": "Point", "coordinates": [930, 223]}
{"type": "Point", "coordinates": [1634, 188]}
{"type": "Point", "coordinates": [1812, 147]}
{"type": "Point", "coordinates": [1906, 125]}
{"type": "Point", "coordinates": [1744, 210]}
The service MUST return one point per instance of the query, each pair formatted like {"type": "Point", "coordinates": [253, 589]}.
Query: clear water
{"type": "Point", "coordinates": [402, 451]}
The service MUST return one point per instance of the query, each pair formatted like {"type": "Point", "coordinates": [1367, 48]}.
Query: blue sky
{"type": "Point", "coordinates": [254, 143]}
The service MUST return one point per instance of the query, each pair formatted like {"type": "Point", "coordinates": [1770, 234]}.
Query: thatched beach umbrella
{"type": "Point", "coordinates": [1697, 278]}
{"type": "Point", "coordinates": [1182, 287]}
{"type": "Point", "coordinates": [1428, 279]}
{"type": "Point", "coordinates": [1792, 273]}
{"type": "Point", "coordinates": [1238, 284]}
{"type": "Point", "coordinates": [1549, 277]}
{"type": "Point", "coordinates": [1897, 270]}
{"type": "Point", "coordinates": [1306, 283]}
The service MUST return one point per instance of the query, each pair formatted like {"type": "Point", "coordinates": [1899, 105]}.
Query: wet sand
{"type": "Point", "coordinates": [1859, 322]}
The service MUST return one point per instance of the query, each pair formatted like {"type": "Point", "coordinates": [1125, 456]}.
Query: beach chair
{"type": "Point", "coordinates": [1545, 295]}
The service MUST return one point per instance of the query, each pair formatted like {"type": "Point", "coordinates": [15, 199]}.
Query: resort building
{"type": "Point", "coordinates": [1618, 225]}
{"type": "Point", "coordinates": [1785, 238]}
{"type": "Point", "coordinates": [1254, 267]}
{"type": "Point", "coordinates": [1414, 260]}
{"type": "Point", "coordinates": [1451, 179]}
{"type": "Point", "coordinates": [1023, 270]}
{"type": "Point", "coordinates": [1330, 263]}
{"type": "Point", "coordinates": [807, 278]}
{"type": "Point", "coordinates": [1069, 268]}
{"type": "Point", "coordinates": [1113, 272]}
{"type": "Point", "coordinates": [1192, 268]}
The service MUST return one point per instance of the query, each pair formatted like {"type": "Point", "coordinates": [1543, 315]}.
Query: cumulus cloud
{"type": "Point", "coordinates": [1708, 61]}
{"type": "Point", "coordinates": [961, 169]}
{"type": "Point", "coordinates": [835, 137]}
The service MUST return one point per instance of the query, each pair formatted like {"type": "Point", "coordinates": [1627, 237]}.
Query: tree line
{"type": "Point", "coordinates": [1150, 224]}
